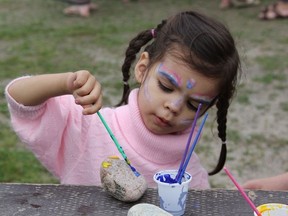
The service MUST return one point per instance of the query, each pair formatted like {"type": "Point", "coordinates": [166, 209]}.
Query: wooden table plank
{"type": "Point", "coordinates": [32, 200]}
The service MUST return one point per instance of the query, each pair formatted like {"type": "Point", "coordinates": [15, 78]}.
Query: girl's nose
{"type": "Point", "coordinates": [174, 105]}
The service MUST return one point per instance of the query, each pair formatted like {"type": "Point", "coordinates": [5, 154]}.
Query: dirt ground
{"type": "Point", "coordinates": [257, 130]}
{"type": "Point", "coordinates": [257, 125]}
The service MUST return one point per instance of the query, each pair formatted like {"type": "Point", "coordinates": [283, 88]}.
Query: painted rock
{"type": "Point", "coordinates": [120, 181]}
{"type": "Point", "coordinates": [145, 209]}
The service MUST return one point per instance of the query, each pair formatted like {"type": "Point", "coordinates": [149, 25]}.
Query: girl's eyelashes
{"type": "Point", "coordinates": [191, 106]}
{"type": "Point", "coordinates": [164, 88]}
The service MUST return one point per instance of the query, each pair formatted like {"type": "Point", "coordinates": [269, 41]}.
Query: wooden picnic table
{"type": "Point", "coordinates": [52, 200]}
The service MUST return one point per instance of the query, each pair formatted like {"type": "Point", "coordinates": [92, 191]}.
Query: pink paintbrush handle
{"type": "Point", "coordinates": [242, 192]}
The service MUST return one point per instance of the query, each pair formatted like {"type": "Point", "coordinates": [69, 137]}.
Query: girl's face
{"type": "Point", "coordinates": [170, 94]}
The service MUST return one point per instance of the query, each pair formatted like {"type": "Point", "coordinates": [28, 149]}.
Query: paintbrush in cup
{"type": "Point", "coordinates": [189, 141]}
{"type": "Point", "coordinates": [187, 159]}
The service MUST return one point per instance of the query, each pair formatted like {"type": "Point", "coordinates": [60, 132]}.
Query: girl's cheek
{"type": "Point", "coordinates": [185, 122]}
{"type": "Point", "coordinates": [146, 91]}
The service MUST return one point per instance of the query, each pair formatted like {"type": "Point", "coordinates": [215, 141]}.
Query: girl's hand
{"type": "Point", "coordinates": [86, 91]}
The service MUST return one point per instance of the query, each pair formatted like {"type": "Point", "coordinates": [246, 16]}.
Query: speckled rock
{"type": "Point", "coordinates": [119, 180]}
{"type": "Point", "coordinates": [145, 209]}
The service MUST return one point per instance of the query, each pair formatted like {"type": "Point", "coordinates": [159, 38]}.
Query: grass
{"type": "Point", "coordinates": [37, 38]}
{"type": "Point", "coordinates": [18, 164]}
{"type": "Point", "coordinates": [284, 106]}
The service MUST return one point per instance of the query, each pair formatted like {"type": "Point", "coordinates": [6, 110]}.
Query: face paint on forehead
{"type": "Point", "coordinates": [172, 76]}
{"type": "Point", "coordinates": [202, 98]}
{"type": "Point", "coordinates": [190, 84]}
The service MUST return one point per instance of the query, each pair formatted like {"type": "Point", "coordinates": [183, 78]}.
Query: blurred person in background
{"type": "Point", "coordinates": [276, 10]}
{"type": "Point", "coordinates": [237, 3]}
{"type": "Point", "coordinates": [82, 8]}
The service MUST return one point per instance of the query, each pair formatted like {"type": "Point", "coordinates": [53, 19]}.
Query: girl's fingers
{"type": "Point", "coordinates": [81, 78]}
{"type": "Point", "coordinates": [92, 108]}
{"type": "Point", "coordinates": [78, 79]}
{"type": "Point", "coordinates": [87, 92]}
{"type": "Point", "coordinates": [84, 88]}
{"type": "Point", "coordinates": [91, 95]}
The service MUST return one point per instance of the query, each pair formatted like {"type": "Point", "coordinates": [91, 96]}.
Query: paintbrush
{"type": "Point", "coordinates": [182, 170]}
{"type": "Point", "coordinates": [188, 142]}
{"type": "Point", "coordinates": [120, 149]}
{"type": "Point", "coordinates": [241, 190]}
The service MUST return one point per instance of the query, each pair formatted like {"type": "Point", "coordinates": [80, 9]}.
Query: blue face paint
{"type": "Point", "coordinates": [170, 75]}
{"type": "Point", "coordinates": [190, 84]}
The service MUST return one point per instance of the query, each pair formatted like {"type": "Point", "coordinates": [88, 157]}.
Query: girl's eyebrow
{"type": "Point", "coordinates": [170, 75]}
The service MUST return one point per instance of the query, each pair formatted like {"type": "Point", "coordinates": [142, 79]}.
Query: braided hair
{"type": "Point", "coordinates": [205, 45]}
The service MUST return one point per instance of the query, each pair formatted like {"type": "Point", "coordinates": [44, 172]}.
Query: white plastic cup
{"type": "Point", "coordinates": [273, 209]}
{"type": "Point", "coordinates": [173, 196]}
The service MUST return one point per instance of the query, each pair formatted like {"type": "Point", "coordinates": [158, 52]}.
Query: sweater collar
{"type": "Point", "coordinates": [160, 149]}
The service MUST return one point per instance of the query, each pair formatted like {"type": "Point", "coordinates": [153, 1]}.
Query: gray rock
{"type": "Point", "coordinates": [145, 209]}
{"type": "Point", "coordinates": [119, 180]}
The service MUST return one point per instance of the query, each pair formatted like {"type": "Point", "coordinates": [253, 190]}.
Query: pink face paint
{"type": "Point", "coordinates": [190, 84]}
{"type": "Point", "coordinates": [146, 90]}
{"type": "Point", "coordinates": [172, 76]}
{"type": "Point", "coordinates": [178, 102]}
{"type": "Point", "coordinates": [202, 98]}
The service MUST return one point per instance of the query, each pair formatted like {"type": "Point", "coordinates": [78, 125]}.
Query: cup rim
{"type": "Point", "coordinates": [172, 171]}
{"type": "Point", "coordinates": [270, 206]}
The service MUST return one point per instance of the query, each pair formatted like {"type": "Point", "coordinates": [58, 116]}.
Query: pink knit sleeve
{"type": "Point", "coordinates": [54, 131]}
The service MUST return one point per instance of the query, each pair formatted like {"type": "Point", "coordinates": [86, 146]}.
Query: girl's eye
{"type": "Point", "coordinates": [192, 106]}
{"type": "Point", "coordinates": [164, 88]}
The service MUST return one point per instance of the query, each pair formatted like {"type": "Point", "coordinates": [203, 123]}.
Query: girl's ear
{"type": "Point", "coordinates": [141, 67]}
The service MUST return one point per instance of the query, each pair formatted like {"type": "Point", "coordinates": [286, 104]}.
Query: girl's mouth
{"type": "Point", "coordinates": [162, 122]}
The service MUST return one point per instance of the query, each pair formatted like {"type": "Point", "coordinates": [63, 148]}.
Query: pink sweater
{"type": "Point", "coordinates": [72, 146]}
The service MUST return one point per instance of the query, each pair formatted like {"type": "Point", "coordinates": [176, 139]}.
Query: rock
{"type": "Point", "coordinates": [145, 209]}
{"type": "Point", "coordinates": [119, 180]}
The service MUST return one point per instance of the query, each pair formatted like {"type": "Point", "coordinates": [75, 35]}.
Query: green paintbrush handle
{"type": "Point", "coordinates": [113, 137]}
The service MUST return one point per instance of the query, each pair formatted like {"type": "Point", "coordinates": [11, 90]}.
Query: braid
{"type": "Point", "coordinates": [159, 26]}
{"type": "Point", "coordinates": [130, 55]}
{"type": "Point", "coordinates": [134, 47]}
{"type": "Point", "coordinates": [222, 106]}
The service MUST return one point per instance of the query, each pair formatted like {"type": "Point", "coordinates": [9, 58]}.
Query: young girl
{"type": "Point", "coordinates": [188, 59]}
